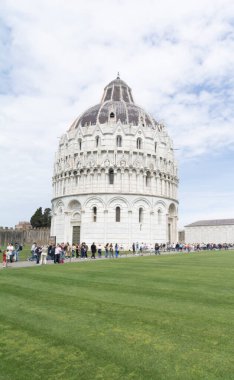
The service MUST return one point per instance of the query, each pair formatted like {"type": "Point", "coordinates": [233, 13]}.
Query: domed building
{"type": "Point", "coordinates": [115, 176]}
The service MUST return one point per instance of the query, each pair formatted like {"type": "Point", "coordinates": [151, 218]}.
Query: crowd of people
{"type": "Point", "coordinates": [63, 251]}
{"type": "Point", "coordinates": [60, 252]}
{"type": "Point", "coordinates": [183, 247]}
{"type": "Point", "coordinates": [11, 253]}
{"type": "Point", "coordinates": [180, 247]}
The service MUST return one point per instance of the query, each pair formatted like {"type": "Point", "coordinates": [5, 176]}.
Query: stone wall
{"type": "Point", "coordinates": [39, 235]}
{"type": "Point", "coordinates": [210, 234]}
{"type": "Point", "coordinates": [181, 236]}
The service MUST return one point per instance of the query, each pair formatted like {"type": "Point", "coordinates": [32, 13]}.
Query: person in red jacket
{"type": "Point", "coordinates": [4, 259]}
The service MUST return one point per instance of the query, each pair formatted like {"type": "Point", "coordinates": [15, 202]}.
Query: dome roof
{"type": "Point", "coordinates": [117, 104]}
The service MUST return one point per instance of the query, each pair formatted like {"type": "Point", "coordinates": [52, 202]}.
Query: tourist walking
{"type": "Point", "coordinates": [77, 251]}
{"type": "Point", "coordinates": [111, 251]}
{"type": "Point", "coordinates": [84, 249]}
{"type": "Point", "coordinates": [156, 249]}
{"type": "Point", "coordinates": [106, 250]}
{"type": "Point", "coordinates": [44, 252]}
{"type": "Point", "coordinates": [99, 251]}
{"type": "Point", "coordinates": [18, 248]}
{"type": "Point", "coordinates": [33, 248]}
{"type": "Point", "coordinates": [141, 249]}
{"type": "Point", "coordinates": [38, 253]}
{"type": "Point", "coordinates": [93, 251]}
{"type": "Point", "coordinates": [51, 252]}
{"type": "Point", "coordinates": [116, 250]}
{"type": "Point", "coordinates": [62, 252]}
{"type": "Point", "coordinates": [57, 254]}
{"type": "Point", "coordinates": [10, 252]}
{"type": "Point", "coordinates": [67, 249]}
{"type": "Point", "coordinates": [4, 259]}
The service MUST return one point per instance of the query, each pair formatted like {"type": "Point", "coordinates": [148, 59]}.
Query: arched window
{"type": "Point", "coordinates": [94, 214]}
{"type": "Point", "coordinates": [139, 143]}
{"type": "Point", "coordinates": [140, 215]}
{"type": "Point", "coordinates": [147, 179]}
{"type": "Point", "coordinates": [112, 115]}
{"type": "Point", "coordinates": [119, 141]}
{"type": "Point", "coordinates": [117, 214]}
{"type": "Point", "coordinates": [80, 144]}
{"type": "Point", "coordinates": [97, 141]}
{"type": "Point", "coordinates": [159, 216]}
{"type": "Point", "coordinates": [155, 147]}
{"type": "Point", "coordinates": [111, 176]}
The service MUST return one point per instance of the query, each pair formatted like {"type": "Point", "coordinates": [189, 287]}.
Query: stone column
{"type": "Point", "coordinates": [72, 179]}
{"type": "Point", "coordinates": [163, 186]}
{"type": "Point", "coordinates": [151, 232]}
{"type": "Point", "coordinates": [82, 226]}
{"type": "Point", "coordinates": [166, 187]}
{"type": "Point", "coordinates": [144, 181]}
{"type": "Point", "coordinates": [150, 183]}
{"type": "Point", "coordinates": [117, 183]}
{"type": "Point", "coordinates": [106, 180]}
{"type": "Point", "coordinates": [157, 184]}
{"type": "Point", "coordinates": [98, 179]}
{"type": "Point", "coordinates": [137, 180]}
{"type": "Point", "coordinates": [78, 183]}
{"type": "Point", "coordinates": [59, 186]}
{"type": "Point", "coordinates": [105, 225]}
{"type": "Point", "coordinates": [91, 179]}
{"type": "Point", "coordinates": [130, 184]}
{"type": "Point", "coordinates": [130, 228]}
{"type": "Point", "coordinates": [67, 227]}
{"type": "Point", "coordinates": [122, 180]}
{"type": "Point", "coordinates": [167, 232]}
{"type": "Point", "coordinates": [63, 185]}
{"type": "Point", "coordinates": [85, 181]}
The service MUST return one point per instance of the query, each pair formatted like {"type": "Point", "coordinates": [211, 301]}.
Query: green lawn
{"type": "Point", "coordinates": [155, 317]}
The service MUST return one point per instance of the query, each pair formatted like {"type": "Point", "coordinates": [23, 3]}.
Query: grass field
{"type": "Point", "coordinates": [167, 317]}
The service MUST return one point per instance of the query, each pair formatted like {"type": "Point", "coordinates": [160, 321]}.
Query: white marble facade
{"type": "Point", "coordinates": [115, 176]}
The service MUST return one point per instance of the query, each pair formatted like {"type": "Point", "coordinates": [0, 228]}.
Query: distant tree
{"type": "Point", "coordinates": [47, 217]}
{"type": "Point", "coordinates": [37, 218]}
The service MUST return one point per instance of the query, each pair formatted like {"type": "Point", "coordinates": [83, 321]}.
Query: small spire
{"type": "Point", "coordinates": [118, 77]}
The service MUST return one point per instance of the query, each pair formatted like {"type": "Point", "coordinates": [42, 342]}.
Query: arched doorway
{"type": "Point", "coordinates": [76, 227]}
{"type": "Point", "coordinates": [75, 222]}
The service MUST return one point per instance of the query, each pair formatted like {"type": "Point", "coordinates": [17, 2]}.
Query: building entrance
{"type": "Point", "coordinates": [76, 235]}
{"type": "Point", "coordinates": [169, 233]}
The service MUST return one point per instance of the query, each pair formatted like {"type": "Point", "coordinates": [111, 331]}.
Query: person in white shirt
{"type": "Point", "coordinates": [10, 252]}
{"type": "Point", "coordinates": [57, 254]}
{"type": "Point", "coordinates": [33, 248]}
{"type": "Point", "coordinates": [44, 253]}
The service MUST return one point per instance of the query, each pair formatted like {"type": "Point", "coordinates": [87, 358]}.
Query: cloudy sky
{"type": "Point", "coordinates": [56, 56]}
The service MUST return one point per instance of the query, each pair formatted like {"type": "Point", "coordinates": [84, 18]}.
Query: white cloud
{"type": "Point", "coordinates": [58, 56]}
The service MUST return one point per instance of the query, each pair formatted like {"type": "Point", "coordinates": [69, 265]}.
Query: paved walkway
{"type": "Point", "coordinates": [25, 264]}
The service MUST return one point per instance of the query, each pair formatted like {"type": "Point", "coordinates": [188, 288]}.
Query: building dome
{"type": "Point", "coordinates": [117, 103]}
{"type": "Point", "coordinates": [115, 176]}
